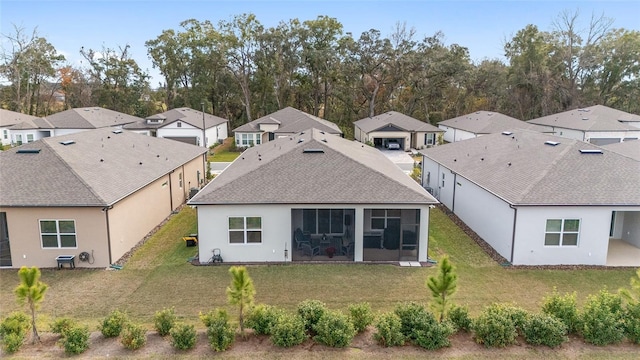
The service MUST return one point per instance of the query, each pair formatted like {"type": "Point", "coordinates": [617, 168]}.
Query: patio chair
{"type": "Point", "coordinates": [308, 250]}
{"type": "Point", "coordinates": [300, 238]}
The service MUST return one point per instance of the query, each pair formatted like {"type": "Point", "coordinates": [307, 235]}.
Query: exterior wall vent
{"type": "Point", "coordinates": [28, 151]}
{"type": "Point", "coordinates": [551, 143]}
{"type": "Point", "coordinates": [507, 133]}
{"type": "Point", "coordinates": [313, 151]}
{"type": "Point", "coordinates": [590, 151]}
{"type": "Point", "coordinates": [67, 142]}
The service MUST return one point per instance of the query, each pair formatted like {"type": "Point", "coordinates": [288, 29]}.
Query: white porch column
{"type": "Point", "coordinates": [358, 232]}
{"type": "Point", "coordinates": [423, 241]}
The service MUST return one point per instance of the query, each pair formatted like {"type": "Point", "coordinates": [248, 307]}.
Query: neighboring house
{"type": "Point", "coordinates": [599, 125]}
{"type": "Point", "coordinates": [539, 199]}
{"type": "Point", "coordinates": [296, 196]}
{"type": "Point", "coordinates": [482, 123]}
{"type": "Point", "coordinates": [627, 148]}
{"type": "Point", "coordinates": [183, 124]}
{"type": "Point", "coordinates": [68, 122]}
{"type": "Point", "coordinates": [17, 128]}
{"type": "Point", "coordinates": [282, 123]}
{"type": "Point", "coordinates": [99, 192]}
{"type": "Point", "coordinates": [396, 127]}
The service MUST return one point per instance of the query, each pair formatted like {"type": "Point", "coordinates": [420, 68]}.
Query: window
{"type": "Point", "coordinates": [429, 138]}
{"type": "Point", "coordinates": [442, 180]}
{"type": "Point", "coordinates": [179, 124]}
{"type": "Point", "coordinates": [29, 138]}
{"type": "Point", "coordinates": [180, 180]}
{"type": "Point", "coordinates": [381, 217]}
{"type": "Point", "coordinates": [58, 233]}
{"type": "Point", "coordinates": [5, 134]}
{"type": "Point", "coordinates": [19, 139]}
{"type": "Point", "coordinates": [245, 230]}
{"type": "Point", "coordinates": [562, 232]}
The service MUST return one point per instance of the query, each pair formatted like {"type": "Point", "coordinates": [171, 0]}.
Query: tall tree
{"type": "Point", "coordinates": [31, 291]}
{"type": "Point", "coordinates": [241, 291]}
{"type": "Point", "coordinates": [442, 287]}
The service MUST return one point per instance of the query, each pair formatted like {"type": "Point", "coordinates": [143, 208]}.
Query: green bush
{"type": "Point", "coordinates": [564, 308]}
{"type": "Point", "coordinates": [12, 342]}
{"type": "Point", "coordinates": [459, 317]}
{"type": "Point", "coordinates": [133, 336]}
{"type": "Point", "coordinates": [334, 329]}
{"type": "Point", "coordinates": [631, 320]}
{"type": "Point", "coordinates": [163, 321]}
{"type": "Point", "coordinates": [361, 316]}
{"type": "Point", "coordinates": [544, 329]}
{"type": "Point", "coordinates": [288, 330]}
{"type": "Point", "coordinates": [389, 330]}
{"type": "Point", "coordinates": [220, 333]}
{"type": "Point", "coordinates": [61, 325]}
{"type": "Point", "coordinates": [412, 315]}
{"type": "Point", "coordinates": [602, 319]}
{"type": "Point", "coordinates": [13, 331]}
{"type": "Point", "coordinates": [113, 324]}
{"type": "Point", "coordinates": [311, 311]}
{"type": "Point", "coordinates": [75, 339]}
{"type": "Point", "coordinates": [494, 327]}
{"type": "Point", "coordinates": [433, 335]}
{"type": "Point", "coordinates": [261, 318]}
{"type": "Point", "coordinates": [183, 336]}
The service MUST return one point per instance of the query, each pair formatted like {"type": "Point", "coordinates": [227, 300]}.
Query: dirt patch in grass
{"type": "Point", "coordinates": [362, 347]}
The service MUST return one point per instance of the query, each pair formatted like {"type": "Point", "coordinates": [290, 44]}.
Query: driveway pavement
{"type": "Point", "coordinates": [217, 167]}
{"type": "Point", "coordinates": [400, 158]}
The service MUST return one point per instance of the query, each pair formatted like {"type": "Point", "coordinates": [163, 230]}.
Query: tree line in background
{"type": "Point", "coordinates": [242, 70]}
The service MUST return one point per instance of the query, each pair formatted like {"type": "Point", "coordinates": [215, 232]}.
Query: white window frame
{"type": "Point", "coordinates": [245, 230]}
{"type": "Point", "coordinates": [562, 232]}
{"type": "Point", "coordinates": [30, 138]}
{"type": "Point", "coordinates": [5, 134]}
{"type": "Point", "coordinates": [58, 234]}
{"type": "Point", "coordinates": [429, 139]}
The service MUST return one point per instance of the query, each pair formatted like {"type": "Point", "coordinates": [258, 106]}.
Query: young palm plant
{"type": "Point", "coordinates": [31, 290]}
{"type": "Point", "coordinates": [442, 287]}
{"type": "Point", "coordinates": [241, 291]}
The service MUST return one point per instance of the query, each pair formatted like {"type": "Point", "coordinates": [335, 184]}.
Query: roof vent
{"type": "Point", "coordinates": [119, 131]}
{"type": "Point", "coordinates": [28, 151]}
{"type": "Point", "coordinates": [300, 140]}
{"type": "Point", "coordinates": [552, 143]}
{"type": "Point", "coordinates": [324, 140]}
{"type": "Point", "coordinates": [312, 151]}
{"type": "Point", "coordinates": [590, 151]}
{"type": "Point", "coordinates": [585, 118]}
{"type": "Point", "coordinates": [67, 142]}
{"type": "Point", "coordinates": [507, 133]}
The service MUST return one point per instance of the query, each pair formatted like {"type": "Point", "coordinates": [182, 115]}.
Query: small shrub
{"type": "Point", "coordinates": [75, 339]}
{"type": "Point", "coordinates": [311, 311]}
{"type": "Point", "coordinates": [564, 308]}
{"type": "Point", "coordinates": [61, 325]}
{"type": "Point", "coordinates": [543, 329]}
{"type": "Point", "coordinates": [412, 316]}
{"type": "Point", "coordinates": [220, 333]}
{"type": "Point", "coordinates": [361, 316]}
{"type": "Point", "coordinates": [433, 335]}
{"type": "Point", "coordinates": [334, 329]}
{"type": "Point", "coordinates": [262, 318]}
{"type": "Point", "coordinates": [459, 317]}
{"type": "Point", "coordinates": [113, 324]}
{"type": "Point", "coordinates": [133, 336]}
{"type": "Point", "coordinates": [632, 322]}
{"type": "Point", "coordinates": [494, 327]}
{"type": "Point", "coordinates": [163, 321]}
{"type": "Point", "coordinates": [288, 330]}
{"type": "Point", "coordinates": [13, 331]}
{"type": "Point", "coordinates": [389, 330]}
{"type": "Point", "coordinates": [183, 336]}
{"type": "Point", "coordinates": [602, 319]}
{"type": "Point", "coordinates": [12, 342]}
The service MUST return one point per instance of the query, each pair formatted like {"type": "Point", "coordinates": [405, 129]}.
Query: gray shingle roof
{"type": "Point", "coordinates": [345, 172]}
{"type": "Point", "coordinates": [523, 170]}
{"type": "Point", "coordinates": [9, 118]}
{"type": "Point", "coordinates": [487, 122]}
{"type": "Point", "coordinates": [291, 121]}
{"type": "Point", "coordinates": [89, 118]}
{"type": "Point", "coordinates": [628, 148]}
{"type": "Point", "coordinates": [593, 118]}
{"type": "Point", "coordinates": [188, 115]}
{"type": "Point", "coordinates": [99, 169]}
{"type": "Point", "coordinates": [395, 118]}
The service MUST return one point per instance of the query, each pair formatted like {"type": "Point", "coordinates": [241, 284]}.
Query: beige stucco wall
{"type": "Point", "coordinates": [26, 246]}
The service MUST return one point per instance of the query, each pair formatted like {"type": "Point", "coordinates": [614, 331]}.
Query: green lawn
{"type": "Point", "coordinates": [159, 276]}
{"type": "Point", "coordinates": [223, 156]}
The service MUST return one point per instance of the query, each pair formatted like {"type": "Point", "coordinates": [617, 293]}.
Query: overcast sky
{"type": "Point", "coordinates": [481, 26]}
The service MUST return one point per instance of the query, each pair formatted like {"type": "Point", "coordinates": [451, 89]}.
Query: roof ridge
{"type": "Point", "coordinates": [75, 174]}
